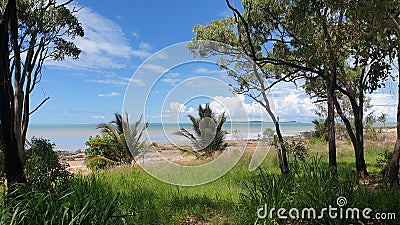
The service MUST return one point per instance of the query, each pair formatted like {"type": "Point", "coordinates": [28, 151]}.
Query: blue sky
{"type": "Point", "coordinates": [120, 36]}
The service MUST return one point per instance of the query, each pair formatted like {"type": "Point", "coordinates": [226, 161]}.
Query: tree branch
{"type": "Point", "coordinates": [40, 105]}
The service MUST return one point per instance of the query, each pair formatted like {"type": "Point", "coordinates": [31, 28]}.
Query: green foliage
{"type": "Point", "coordinates": [297, 150]}
{"type": "Point", "coordinates": [55, 21]}
{"type": "Point", "coordinates": [382, 119]}
{"type": "Point", "coordinates": [96, 163]}
{"type": "Point", "coordinates": [42, 167]}
{"type": "Point", "coordinates": [384, 159]}
{"type": "Point", "coordinates": [87, 202]}
{"type": "Point", "coordinates": [129, 195]}
{"type": "Point", "coordinates": [269, 136]}
{"type": "Point", "coordinates": [311, 184]}
{"type": "Point", "coordinates": [103, 145]}
{"type": "Point", "coordinates": [208, 135]}
{"type": "Point", "coordinates": [369, 129]}
{"type": "Point", "coordinates": [113, 143]}
{"type": "Point", "coordinates": [321, 129]}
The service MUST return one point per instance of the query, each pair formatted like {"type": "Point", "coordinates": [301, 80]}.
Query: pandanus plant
{"type": "Point", "coordinates": [207, 136]}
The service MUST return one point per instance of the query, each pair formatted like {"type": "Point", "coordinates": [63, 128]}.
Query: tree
{"type": "Point", "coordinates": [251, 80]}
{"type": "Point", "coordinates": [208, 135]}
{"type": "Point", "coordinates": [382, 119]}
{"type": "Point", "coordinates": [392, 13]}
{"type": "Point", "coordinates": [385, 20]}
{"type": "Point", "coordinates": [31, 33]}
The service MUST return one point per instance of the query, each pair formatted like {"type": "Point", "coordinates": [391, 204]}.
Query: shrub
{"type": "Point", "coordinates": [42, 168]}
{"type": "Point", "coordinates": [99, 163]}
{"type": "Point", "coordinates": [102, 146]}
{"type": "Point", "coordinates": [321, 129]}
{"type": "Point", "coordinates": [384, 159]}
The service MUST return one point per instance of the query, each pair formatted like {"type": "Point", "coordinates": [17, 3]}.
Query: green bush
{"type": "Point", "coordinates": [42, 168]}
{"type": "Point", "coordinates": [96, 163]}
{"type": "Point", "coordinates": [321, 129]}
{"type": "Point", "coordinates": [102, 146]}
{"type": "Point", "coordinates": [384, 159]}
{"type": "Point", "coordinates": [113, 143]}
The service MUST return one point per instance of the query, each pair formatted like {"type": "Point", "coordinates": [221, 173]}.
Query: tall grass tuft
{"type": "Point", "coordinates": [311, 184]}
{"type": "Point", "coordinates": [85, 203]}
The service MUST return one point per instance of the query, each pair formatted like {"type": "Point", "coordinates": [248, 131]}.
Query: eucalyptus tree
{"type": "Point", "coordinates": [288, 40]}
{"type": "Point", "coordinates": [391, 11]}
{"type": "Point", "coordinates": [32, 32]}
{"type": "Point", "coordinates": [335, 46]}
{"type": "Point", "coordinates": [250, 79]}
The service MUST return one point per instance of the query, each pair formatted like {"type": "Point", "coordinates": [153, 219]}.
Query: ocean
{"type": "Point", "coordinates": [72, 137]}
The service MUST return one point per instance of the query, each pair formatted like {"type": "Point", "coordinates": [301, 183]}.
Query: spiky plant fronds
{"type": "Point", "coordinates": [208, 135]}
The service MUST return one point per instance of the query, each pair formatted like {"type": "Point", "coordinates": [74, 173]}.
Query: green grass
{"type": "Point", "coordinates": [128, 195]}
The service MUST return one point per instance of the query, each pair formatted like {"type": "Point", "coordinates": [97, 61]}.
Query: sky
{"type": "Point", "coordinates": [122, 67]}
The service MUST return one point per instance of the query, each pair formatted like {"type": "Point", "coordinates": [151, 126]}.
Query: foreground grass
{"type": "Point", "coordinates": [128, 195]}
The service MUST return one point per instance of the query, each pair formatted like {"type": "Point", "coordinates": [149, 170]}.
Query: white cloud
{"type": "Point", "coordinates": [154, 68]}
{"type": "Point", "coordinates": [171, 81]}
{"type": "Point", "coordinates": [118, 81]}
{"type": "Point", "coordinates": [135, 81]}
{"type": "Point", "coordinates": [208, 71]}
{"type": "Point", "coordinates": [112, 94]}
{"type": "Point", "coordinates": [177, 107]}
{"type": "Point", "coordinates": [295, 104]}
{"type": "Point", "coordinates": [171, 78]}
{"type": "Point", "coordinates": [143, 51]}
{"type": "Point", "coordinates": [236, 108]}
{"type": "Point", "coordinates": [384, 103]}
{"type": "Point", "coordinates": [135, 34]}
{"type": "Point", "coordinates": [109, 81]}
{"type": "Point", "coordinates": [104, 46]}
{"type": "Point", "coordinates": [98, 117]}
{"type": "Point", "coordinates": [161, 55]}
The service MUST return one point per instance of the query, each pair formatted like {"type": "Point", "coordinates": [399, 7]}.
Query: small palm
{"type": "Point", "coordinates": [208, 135]}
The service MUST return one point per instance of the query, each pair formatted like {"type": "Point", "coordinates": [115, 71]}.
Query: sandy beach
{"type": "Point", "coordinates": [77, 159]}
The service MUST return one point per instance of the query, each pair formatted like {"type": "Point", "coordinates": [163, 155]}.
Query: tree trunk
{"type": "Point", "coordinates": [282, 152]}
{"type": "Point", "coordinates": [13, 162]}
{"type": "Point", "coordinates": [361, 166]}
{"type": "Point", "coordinates": [394, 164]}
{"type": "Point", "coordinates": [331, 122]}
{"type": "Point", "coordinates": [283, 162]}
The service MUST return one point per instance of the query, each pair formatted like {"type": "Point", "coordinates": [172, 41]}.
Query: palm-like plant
{"type": "Point", "coordinates": [122, 134]}
{"type": "Point", "coordinates": [208, 135]}
{"type": "Point", "coordinates": [321, 129]}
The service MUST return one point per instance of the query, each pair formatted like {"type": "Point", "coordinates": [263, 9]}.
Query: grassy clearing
{"type": "Point", "coordinates": [128, 195]}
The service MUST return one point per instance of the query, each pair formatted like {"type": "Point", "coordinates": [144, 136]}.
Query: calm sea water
{"type": "Point", "coordinates": [73, 137]}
